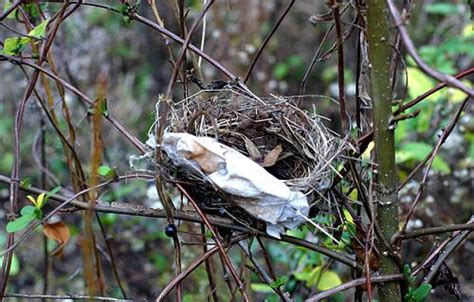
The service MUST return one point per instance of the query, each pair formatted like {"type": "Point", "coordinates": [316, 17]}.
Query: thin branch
{"type": "Point", "coordinates": [267, 39]}
{"type": "Point", "coordinates": [457, 239]}
{"type": "Point", "coordinates": [195, 264]}
{"type": "Point", "coordinates": [223, 253]}
{"type": "Point", "coordinates": [10, 9]}
{"type": "Point", "coordinates": [185, 46]}
{"type": "Point", "coordinates": [438, 230]}
{"type": "Point", "coordinates": [14, 185]}
{"type": "Point", "coordinates": [450, 80]}
{"type": "Point", "coordinates": [314, 60]}
{"type": "Point", "coordinates": [340, 67]}
{"type": "Point", "coordinates": [111, 257]}
{"type": "Point", "coordinates": [135, 142]}
{"type": "Point", "coordinates": [438, 87]}
{"type": "Point", "coordinates": [136, 210]}
{"type": "Point", "coordinates": [354, 283]}
{"type": "Point", "coordinates": [64, 297]}
{"type": "Point", "coordinates": [430, 158]}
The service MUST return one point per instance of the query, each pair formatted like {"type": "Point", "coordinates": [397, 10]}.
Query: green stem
{"type": "Point", "coordinates": [386, 196]}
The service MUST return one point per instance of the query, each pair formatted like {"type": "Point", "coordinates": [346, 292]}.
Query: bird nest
{"type": "Point", "coordinates": [292, 144]}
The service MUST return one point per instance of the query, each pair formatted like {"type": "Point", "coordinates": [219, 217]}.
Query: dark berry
{"type": "Point", "coordinates": [170, 230]}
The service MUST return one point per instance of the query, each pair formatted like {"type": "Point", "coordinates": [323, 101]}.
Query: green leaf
{"type": "Point", "coordinates": [422, 292]}
{"type": "Point", "coordinates": [39, 31]}
{"type": "Point", "coordinates": [103, 107]}
{"type": "Point", "coordinates": [15, 266]}
{"type": "Point", "coordinates": [31, 211]}
{"type": "Point", "coordinates": [52, 192]}
{"type": "Point", "coordinates": [281, 70]}
{"type": "Point", "coordinates": [106, 171]}
{"type": "Point", "coordinates": [418, 152]}
{"type": "Point", "coordinates": [324, 280]}
{"type": "Point", "coordinates": [419, 83]}
{"type": "Point", "coordinates": [261, 288]}
{"type": "Point", "coordinates": [442, 8]}
{"type": "Point", "coordinates": [27, 210]}
{"type": "Point", "coordinates": [19, 223]}
{"type": "Point", "coordinates": [329, 279]}
{"type": "Point", "coordinates": [471, 151]}
{"type": "Point", "coordinates": [6, 6]}
{"type": "Point", "coordinates": [13, 46]}
{"type": "Point", "coordinates": [25, 182]}
{"type": "Point", "coordinates": [279, 281]}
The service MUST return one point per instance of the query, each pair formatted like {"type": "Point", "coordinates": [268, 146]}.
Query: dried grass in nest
{"type": "Point", "coordinates": [260, 128]}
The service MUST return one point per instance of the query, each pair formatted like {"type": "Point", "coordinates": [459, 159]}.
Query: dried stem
{"type": "Point", "coordinates": [267, 39]}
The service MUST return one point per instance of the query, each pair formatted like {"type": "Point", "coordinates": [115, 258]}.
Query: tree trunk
{"type": "Point", "coordinates": [386, 196]}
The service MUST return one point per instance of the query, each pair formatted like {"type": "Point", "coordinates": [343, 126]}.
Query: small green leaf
{"type": "Point", "coordinates": [103, 107]}
{"type": "Point", "coordinates": [261, 288]}
{"type": "Point", "coordinates": [106, 171]}
{"type": "Point", "coordinates": [279, 281]}
{"type": "Point", "coordinates": [15, 266]}
{"type": "Point", "coordinates": [281, 70]}
{"type": "Point", "coordinates": [329, 279]}
{"type": "Point", "coordinates": [417, 152]}
{"type": "Point", "coordinates": [27, 210]}
{"type": "Point", "coordinates": [39, 31]}
{"type": "Point", "coordinates": [13, 46]}
{"type": "Point", "coordinates": [25, 182]}
{"type": "Point", "coordinates": [422, 292]}
{"type": "Point", "coordinates": [52, 192]}
{"type": "Point", "coordinates": [31, 211]}
{"type": "Point", "coordinates": [40, 200]}
{"type": "Point", "coordinates": [19, 223]}
{"type": "Point", "coordinates": [442, 8]}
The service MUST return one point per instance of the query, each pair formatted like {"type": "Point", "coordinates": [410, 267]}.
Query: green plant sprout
{"type": "Point", "coordinates": [29, 213]}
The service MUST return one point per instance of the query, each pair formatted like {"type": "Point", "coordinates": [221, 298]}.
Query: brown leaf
{"type": "Point", "coordinates": [272, 156]}
{"type": "Point", "coordinates": [251, 149]}
{"type": "Point", "coordinates": [58, 232]}
{"type": "Point", "coordinates": [361, 252]}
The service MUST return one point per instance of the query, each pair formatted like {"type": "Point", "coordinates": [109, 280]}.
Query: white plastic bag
{"type": "Point", "coordinates": [251, 187]}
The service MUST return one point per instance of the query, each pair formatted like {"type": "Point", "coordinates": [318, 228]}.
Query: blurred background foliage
{"type": "Point", "coordinates": [135, 60]}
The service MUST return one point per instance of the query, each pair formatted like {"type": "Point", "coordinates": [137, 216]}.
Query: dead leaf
{"type": "Point", "coordinates": [58, 232]}
{"type": "Point", "coordinates": [272, 156]}
{"type": "Point", "coordinates": [251, 149]}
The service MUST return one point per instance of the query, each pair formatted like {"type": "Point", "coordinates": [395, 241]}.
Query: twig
{"type": "Point", "coordinates": [260, 271]}
{"type": "Point", "coordinates": [135, 142]}
{"type": "Point", "coordinates": [64, 297]}
{"type": "Point", "coordinates": [14, 185]}
{"type": "Point", "coordinates": [438, 230]}
{"type": "Point", "coordinates": [10, 9]}
{"type": "Point", "coordinates": [304, 81]}
{"type": "Point", "coordinates": [185, 45]}
{"type": "Point", "coordinates": [449, 80]}
{"type": "Point", "coordinates": [438, 87]}
{"type": "Point", "coordinates": [340, 67]}
{"type": "Point", "coordinates": [457, 239]}
{"type": "Point", "coordinates": [227, 261]}
{"type": "Point", "coordinates": [210, 275]}
{"type": "Point", "coordinates": [127, 209]}
{"type": "Point", "coordinates": [111, 256]}
{"type": "Point", "coordinates": [198, 261]}
{"type": "Point", "coordinates": [430, 158]}
{"type": "Point", "coordinates": [354, 283]}
{"type": "Point", "coordinates": [267, 39]}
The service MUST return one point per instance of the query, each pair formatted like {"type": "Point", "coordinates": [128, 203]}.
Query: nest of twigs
{"type": "Point", "coordinates": [292, 144]}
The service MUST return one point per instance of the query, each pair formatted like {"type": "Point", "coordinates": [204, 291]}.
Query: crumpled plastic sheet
{"type": "Point", "coordinates": [250, 186]}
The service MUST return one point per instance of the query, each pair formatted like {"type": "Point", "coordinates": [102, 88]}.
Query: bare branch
{"type": "Point", "coordinates": [449, 80]}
